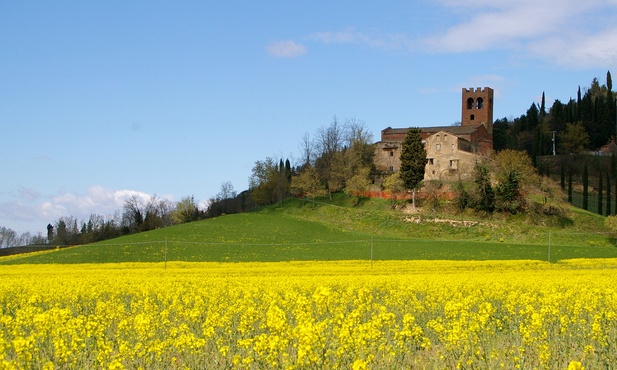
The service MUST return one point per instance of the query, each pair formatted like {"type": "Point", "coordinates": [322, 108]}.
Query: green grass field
{"type": "Point", "coordinates": [344, 230]}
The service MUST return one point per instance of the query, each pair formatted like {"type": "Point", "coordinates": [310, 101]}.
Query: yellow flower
{"type": "Point", "coordinates": [575, 365]}
{"type": "Point", "coordinates": [359, 365]}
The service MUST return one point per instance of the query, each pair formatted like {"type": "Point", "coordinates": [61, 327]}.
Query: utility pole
{"type": "Point", "coordinates": [554, 142]}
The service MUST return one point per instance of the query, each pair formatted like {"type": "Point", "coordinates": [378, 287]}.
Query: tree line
{"type": "Point", "coordinates": [138, 214]}
{"type": "Point", "coordinates": [582, 124]}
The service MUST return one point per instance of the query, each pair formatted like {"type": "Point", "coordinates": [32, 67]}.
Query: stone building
{"type": "Point", "coordinates": [451, 150]}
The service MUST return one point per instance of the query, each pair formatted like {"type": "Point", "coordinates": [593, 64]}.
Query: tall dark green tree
{"type": "Point", "coordinates": [413, 161]}
{"type": "Point", "coordinates": [533, 116]}
{"type": "Point", "coordinates": [50, 233]}
{"type": "Point", "coordinates": [585, 188]}
{"type": "Point", "coordinates": [600, 194]}
{"type": "Point", "coordinates": [608, 195]}
{"type": "Point", "coordinates": [610, 105]}
{"type": "Point", "coordinates": [579, 102]}
{"type": "Point", "coordinates": [485, 192]}
{"type": "Point", "coordinates": [288, 172]}
{"type": "Point", "coordinates": [570, 186]}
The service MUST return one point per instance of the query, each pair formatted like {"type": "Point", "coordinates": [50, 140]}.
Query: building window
{"type": "Point", "coordinates": [479, 103]}
{"type": "Point", "coordinates": [438, 147]}
{"type": "Point", "coordinates": [454, 164]}
{"type": "Point", "coordinates": [430, 161]}
{"type": "Point", "coordinates": [391, 153]}
{"type": "Point", "coordinates": [391, 168]}
{"type": "Point", "coordinates": [452, 146]}
{"type": "Point", "coordinates": [470, 103]}
{"type": "Point", "coordinates": [472, 117]}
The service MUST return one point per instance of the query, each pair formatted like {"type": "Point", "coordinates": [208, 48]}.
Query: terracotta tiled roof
{"type": "Point", "coordinates": [454, 130]}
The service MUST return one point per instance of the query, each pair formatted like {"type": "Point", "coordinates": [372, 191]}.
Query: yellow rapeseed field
{"type": "Point", "coordinates": [310, 315]}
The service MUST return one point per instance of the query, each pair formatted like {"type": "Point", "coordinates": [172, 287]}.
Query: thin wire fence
{"type": "Point", "coordinates": [551, 246]}
{"type": "Point", "coordinates": [594, 202]}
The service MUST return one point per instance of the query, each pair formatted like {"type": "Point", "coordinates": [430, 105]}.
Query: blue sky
{"type": "Point", "coordinates": [100, 100]}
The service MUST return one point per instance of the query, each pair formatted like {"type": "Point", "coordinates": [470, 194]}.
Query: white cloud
{"type": "Point", "coordinates": [580, 51]}
{"type": "Point", "coordinates": [27, 194]}
{"type": "Point", "coordinates": [43, 157]}
{"type": "Point", "coordinates": [569, 32]}
{"type": "Point", "coordinates": [395, 41]}
{"type": "Point", "coordinates": [32, 207]}
{"type": "Point", "coordinates": [504, 24]}
{"type": "Point", "coordinates": [286, 49]}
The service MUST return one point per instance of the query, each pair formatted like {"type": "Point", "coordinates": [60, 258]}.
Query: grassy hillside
{"type": "Point", "coordinates": [345, 229]}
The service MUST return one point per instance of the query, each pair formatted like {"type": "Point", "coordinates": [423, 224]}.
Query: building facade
{"type": "Point", "coordinates": [451, 150]}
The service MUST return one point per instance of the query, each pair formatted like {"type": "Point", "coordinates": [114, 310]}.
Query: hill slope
{"type": "Point", "coordinates": [338, 231]}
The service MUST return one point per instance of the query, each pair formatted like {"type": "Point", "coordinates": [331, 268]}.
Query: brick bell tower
{"type": "Point", "coordinates": [477, 108]}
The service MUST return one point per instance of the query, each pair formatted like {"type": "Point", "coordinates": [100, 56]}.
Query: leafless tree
{"type": "Point", "coordinates": [307, 150]}
{"type": "Point", "coordinates": [227, 191]}
{"type": "Point", "coordinates": [7, 237]}
{"type": "Point", "coordinates": [357, 132]}
{"type": "Point", "coordinates": [133, 215]}
{"type": "Point", "coordinates": [331, 139]}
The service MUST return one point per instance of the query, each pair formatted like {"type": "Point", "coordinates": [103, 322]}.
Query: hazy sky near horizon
{"type": "Point", "coordinates": [101, 100]}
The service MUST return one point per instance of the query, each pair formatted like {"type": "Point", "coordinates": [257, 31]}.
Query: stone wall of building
{"type": "Point", "coordinates": [388, 156]}
{"type": "Point", "coordinates": [447, 159]}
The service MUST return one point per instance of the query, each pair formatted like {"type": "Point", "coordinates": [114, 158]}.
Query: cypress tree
{"type": "Point", "coordinates": [413, 161]}
{"type": "Point", "coordinates": [579, 103]}
{"type": "Point", "coordinates": [533, 116]}
{"type": "Point", "coordinates": [288, 170]}
{"type": "Point", "coordinates": [570, 186]}
{"type": "Point", "coordinates": [585, 188]}
{"type": "Point", "coordinates": [608, 195]}
{"type": "Point", "coordinates": [600, 193]}
{"type": "Point", "coordinates": [570, 109]}
{"type": "Point", "coordinates": [610, 104]}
